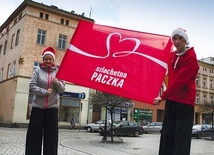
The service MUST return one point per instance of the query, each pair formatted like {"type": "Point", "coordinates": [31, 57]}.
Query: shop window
{"type": "Point", "coordinates": [120, 113]}
{"type": "Point", "coordinates": [142, 116]}
{"type": "Point", "coordinates": [69, 108]}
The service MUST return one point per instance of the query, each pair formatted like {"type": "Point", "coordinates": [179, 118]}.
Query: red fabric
{"type": "Point", "coordinates": [123, 62]}
{"type": "Point", "coordinates": [182, 75]}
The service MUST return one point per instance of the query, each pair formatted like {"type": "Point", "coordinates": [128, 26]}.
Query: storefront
{"type": "Point", "coordinates": [70, 106]}
{"type": "Point", "coordinates": [122, 113]}
{"type": "Point", "coordinates": [207, 118]}
{"type": "Point", "coordinates": [142, 116]}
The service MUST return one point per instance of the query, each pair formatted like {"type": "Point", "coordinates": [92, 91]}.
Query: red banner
{"type": "Point", "coordinates": [126, 63]}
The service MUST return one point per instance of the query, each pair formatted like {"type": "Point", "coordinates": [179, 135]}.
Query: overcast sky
{"type": "Point", "coordinates": [154, 16]}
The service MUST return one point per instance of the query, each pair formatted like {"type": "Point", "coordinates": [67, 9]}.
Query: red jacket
{"type": "Point", "coordinates": [182, 71]}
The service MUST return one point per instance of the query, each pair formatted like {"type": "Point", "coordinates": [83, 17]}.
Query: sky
{"type": "Point", "coordinates": [153, 16]}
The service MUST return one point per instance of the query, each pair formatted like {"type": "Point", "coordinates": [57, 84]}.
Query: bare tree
{"type": "Point", "coordinates": [110, 102]}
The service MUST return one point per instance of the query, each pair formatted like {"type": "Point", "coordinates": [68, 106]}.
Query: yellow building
{"type": "Point", "coordinates": [205, 94]}
{"type": "Point", "coordinates": [28, 30]}
{"type": "Point", "coordinates": [205, 88]}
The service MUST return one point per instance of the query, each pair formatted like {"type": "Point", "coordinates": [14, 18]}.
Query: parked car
{"type": "Point", "coordinates": [202, 130]}
{"type": "Point", "coordinates": [153, 127]}
{"type": "Point", "coordinates": [93, 127]}
{"type": "Point", "coordinates": [123, 128]}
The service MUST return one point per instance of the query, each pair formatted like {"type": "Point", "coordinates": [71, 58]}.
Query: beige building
{"type": "Point", "coordinates": [205, 94]}
{"type": "Point", "coordinates": [28, 30]}
{"type": "Point", "coordinates": [205, 88]}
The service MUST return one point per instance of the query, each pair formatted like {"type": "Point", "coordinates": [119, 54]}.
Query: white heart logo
{"type": "Point", "coordinates": [122, 53]}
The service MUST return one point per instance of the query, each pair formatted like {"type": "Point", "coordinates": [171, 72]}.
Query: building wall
{"type": "Point", "coordinates": [7, 96]}
{"type": "Point", "coordinates": [153, 108]}
{"type": "Point", "coordinates": [21, 100]}
{"type": "Point", "coordinates": [206, 70]}
{"type": "Point", "coordinates": [14, 91]}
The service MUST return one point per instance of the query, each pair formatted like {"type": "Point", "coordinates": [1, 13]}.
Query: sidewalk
{"type": "Point", "coordinates": [147, 144]}
{"type": "Point", "coordinates": [91, 144]}
{"type": "Point", "coordinates": [80, 142]}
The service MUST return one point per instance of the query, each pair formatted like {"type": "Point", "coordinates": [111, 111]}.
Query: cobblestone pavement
{"type": "Point", "coordinates": [79, 142]}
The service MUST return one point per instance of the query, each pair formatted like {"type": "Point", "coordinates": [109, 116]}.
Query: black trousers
{"type": "Point", "coordinates": [43, 127]}
{"type": "Point", "coordinates": [177, 129]}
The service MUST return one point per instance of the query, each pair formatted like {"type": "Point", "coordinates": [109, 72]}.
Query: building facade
{"type": "Point", "coordinates": [205, 89]}
{"type": "Point", "coordinates": [23, 36]}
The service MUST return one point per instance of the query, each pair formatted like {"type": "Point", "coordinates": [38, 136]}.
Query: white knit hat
{"type": "Point", "coordinates": [182, 33]}
{"type": "Point", "coordinates": [49, 50]}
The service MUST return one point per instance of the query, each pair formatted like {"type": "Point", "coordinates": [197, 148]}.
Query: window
{"type": "Point", "coordinates": [67, 22]}
{"type": "Point", "coordinates": [11, 46]}
{"type": "Point", "coordinates": [8, 70]}
{"type": "Point", "coordinates": [204, 98]}
{"type": "Point", "coordinates": [69, 108]}
{"type": "Point", "coordinates": [41, 14]}
{"type": "Point", "coordinates": [8, 29]}
{"type": "Point", "coordinates": [211, 83]}
{"type": "Point", "coordinates": [20, 16]}
{"type": "Point", "coordinates": [46, 16]}
{"type": "Point", "coordinates": [197, 81]}
{"type": "Point", "coordinates": [0, 50]}
{"type": "Point", "coordinates": [1, 74]}
{"type": "Point", "coordinates": [197, 99]}
{"type": "Point", "coordinates": [211, 70]}
{"type": "Point", "coordinates": [204, 82]}
{"type": "Point", "coordinates": [62, 42]}
{"type": "Point", "coordinates": [62, 21]}
{"type": "Point", "coordinates": [143, 116]}
{"type": "Point", "coordinates": [15, 21]}
{"type": "Point", "coordinates": [17, 37]}
{"type": "Point", "coordinates": [211, 99]}
{"type": "Point", "coordinates": [36, 64]}
{"type": "Point", "coordinates": [5, 47]}
{"type": "Point", "coordinates": [12, 71]}
{"type": "Point", "coordinates": [41, 37]}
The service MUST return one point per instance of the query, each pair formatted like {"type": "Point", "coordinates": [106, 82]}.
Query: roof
{"type": "Point", "coordinates": [51, 8]}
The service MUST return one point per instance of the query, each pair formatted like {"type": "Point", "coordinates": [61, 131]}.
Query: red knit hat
{"type": "Point", "coordinates": [49, 50]}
